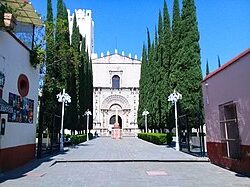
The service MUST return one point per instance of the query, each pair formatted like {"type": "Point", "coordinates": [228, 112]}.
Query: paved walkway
{"type": "Point", "coordinates": [126, 162]}
{"type": "Point", "coordinates": [126, 149]}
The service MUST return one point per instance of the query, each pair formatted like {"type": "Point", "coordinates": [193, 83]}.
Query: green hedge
{"type": "Point", "coordinates": [156, 138]}
{"type": "Point", "coordinates": [76, 139]}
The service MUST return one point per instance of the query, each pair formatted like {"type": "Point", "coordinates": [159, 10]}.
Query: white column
{"type": "Point", "coordinates": [87, 127]}
{"type": "Point", "coordinates": [116, 115]}
{"type": "Point", "coordinates": [146, 126]}
{"type": "Point", "coordinates": [62, 130]}
{"type": "Point", "coordinates": [177, 147]}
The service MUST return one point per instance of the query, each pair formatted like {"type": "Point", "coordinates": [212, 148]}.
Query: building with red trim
{"type": "Point", "coordinates": [19, 82]}
{"type": "Point", "coordinates": [226, 93]}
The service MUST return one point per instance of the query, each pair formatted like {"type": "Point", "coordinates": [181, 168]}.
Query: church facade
{"type": "Point", "coordinates": [116, 93]}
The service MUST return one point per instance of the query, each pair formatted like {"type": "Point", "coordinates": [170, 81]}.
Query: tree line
{"type": "Point", "coordinates": [171, 61]}
{"type": "Point", "coordinates": [69, 67]}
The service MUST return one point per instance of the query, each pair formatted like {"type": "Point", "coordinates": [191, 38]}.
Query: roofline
{"type": "Point", "coordinates": [227, 64]}
{"type": "Point", "coordinates": [139, 63]}
{"type": "Point", "coordinates": [19, 41]}
{"type": "Point", "coordinates": [116, 54]}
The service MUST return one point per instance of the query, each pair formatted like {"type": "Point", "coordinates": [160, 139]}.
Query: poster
{"type": "Point", "coordinates": [23, 109]}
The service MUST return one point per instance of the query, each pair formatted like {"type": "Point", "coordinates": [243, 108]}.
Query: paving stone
{"type": "Point", "coordinates": [77, 167]}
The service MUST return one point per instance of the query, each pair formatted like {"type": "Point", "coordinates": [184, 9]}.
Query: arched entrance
{"type": "Point", "coordinates": [112, 120]}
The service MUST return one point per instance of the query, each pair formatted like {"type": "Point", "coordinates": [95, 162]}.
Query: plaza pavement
{"type": "Point", "coordinates": [126, 162]}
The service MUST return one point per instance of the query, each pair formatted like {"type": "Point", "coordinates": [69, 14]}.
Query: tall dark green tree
{"type": "Point", "coordinates": [75, 37]}
{"type": "Point", "coordinates": [219, 65]}
{"type": "Point", "coordinates": [189, 82]}
{"type": "Point", "coordinates": [166, 66]}
{"type": "Point", "coordinates": [142, 84]}
{"type": "Point", "coordinates": [49, 88]}
{"type": "Point", "coordinates": [90, 92]}
{"type": "Point", "coordinates": [82, 85]}
{"type": "Point", "coordinates": [59, 37]}
{"type": "Point", "coordinates": [85, 85]}
{"type": "Point", "coordinates": [72, 110]}
{"type": "Point", "coordinates": [207, 68]}
{"type": "Point", "coordinates": [175, 47]}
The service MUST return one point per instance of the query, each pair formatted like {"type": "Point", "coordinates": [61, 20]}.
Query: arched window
{"type": "Point", "coordinates": [115, 82]}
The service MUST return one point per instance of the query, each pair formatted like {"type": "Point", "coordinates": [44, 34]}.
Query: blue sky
{"type": "Point", "coordinates": [224, 25]}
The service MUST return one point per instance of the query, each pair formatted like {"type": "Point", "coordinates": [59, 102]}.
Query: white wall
{"type": "Point", "coordinates": [127, 68]}
{"type": "Point", "coordinates": [17, 62]}
{"type": "Point", "coordinates": [127, 96]}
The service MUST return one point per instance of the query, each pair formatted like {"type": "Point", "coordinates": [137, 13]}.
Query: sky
{"type": "Point", "coordinates": [224, 25]}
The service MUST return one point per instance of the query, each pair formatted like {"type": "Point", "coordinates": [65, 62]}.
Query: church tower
{"type": "Point", "coordinates": [86, 27]}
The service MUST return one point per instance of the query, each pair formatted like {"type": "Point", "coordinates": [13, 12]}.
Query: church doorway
{"type": "Point", "coordinates": [112, 120]}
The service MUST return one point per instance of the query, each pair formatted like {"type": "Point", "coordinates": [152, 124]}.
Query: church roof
{"type": "Point", "coordinates": [116, 58]}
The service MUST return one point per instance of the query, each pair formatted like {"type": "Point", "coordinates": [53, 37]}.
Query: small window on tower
{"type": "Point", "coordinates": [115, 82]}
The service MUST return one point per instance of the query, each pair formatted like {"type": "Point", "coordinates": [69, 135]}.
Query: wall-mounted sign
{"type": "Point", "coordinates": [23, 109]}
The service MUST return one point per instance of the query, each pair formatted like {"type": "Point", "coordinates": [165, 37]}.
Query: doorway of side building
{"type": "Point", "coordinates": [112, 121]}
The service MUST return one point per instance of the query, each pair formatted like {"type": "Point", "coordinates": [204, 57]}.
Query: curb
{"type": "Point", "coordinates": [127, 161]}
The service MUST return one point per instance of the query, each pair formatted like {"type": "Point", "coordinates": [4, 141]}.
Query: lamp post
{"type": "Point", "coordinates": [88, 113]}
{"type": "Point", "coordinates": [145, 113]}
{"type": "Point", "coordinates": [63, 98]}
{"type": "Point", "coordinates": [174, 97]}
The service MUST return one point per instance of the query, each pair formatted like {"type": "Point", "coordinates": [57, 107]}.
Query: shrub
{"type": "Point", "coordinates": [76, 139]}
{"type": "Point", "coordinates": [169, 138]}
{"type": "Point", "coordinates": [156, 138]}
{"type": "Point", "coordinates": [91, 136]}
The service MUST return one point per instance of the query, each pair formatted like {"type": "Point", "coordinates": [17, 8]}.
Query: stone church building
{"type": "Point", "coordinates": [116, 93]}
{"type": "Point", "coordinates": [115, 81]}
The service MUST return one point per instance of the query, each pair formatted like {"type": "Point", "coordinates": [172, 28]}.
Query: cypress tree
{"type": "Point", "coordinates": [142, 83]}
{"type": "Point", "coordinates": [166, 63]}
{"type": "Point", "coordinates": [59, 23]}
{"type": "Point", "coordinates": [207, 68]}
{"type": "Point", "coordinates": [150, 86]}
{"type": "Point", "coordinates": [75, 37]}
{"type": "Point", "coordinates": [71, 114]}
{"type": "Point", "coordinates": [159, 73]}
{"type": "Point", "coordinates": [189, 84]}
{"type": "Point", "coordinates": [46, 101]}
{"type": "Point", "coordinates": [175, 72]}
{"type": "Point", "coordinates": [72, 110]}
{"type": "Point", "coordinates": [84, 86]}
{"type": "Point", "coordinates": [49, 89]}
{"type": "Point", "coordinates": [175, 47]}
{"type": "Point", "coordinates": [219, 65]}
{"type": "Point", "coordinates": [149, 41]}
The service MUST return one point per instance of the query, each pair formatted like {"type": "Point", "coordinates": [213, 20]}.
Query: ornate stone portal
{"type": "Point", "coordinates": [116, 94]}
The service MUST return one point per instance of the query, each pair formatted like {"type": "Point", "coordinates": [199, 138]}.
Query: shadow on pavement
{"type": "Point", "coordinates": [23, 171]}
{"type": "Point", "coordinates": [86, 144]}
{"type": "Point", "coordinates": [242, 175]}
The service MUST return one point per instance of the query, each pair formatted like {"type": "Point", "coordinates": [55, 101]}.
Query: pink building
{"type": "Point", "coordinates": [226, 94]}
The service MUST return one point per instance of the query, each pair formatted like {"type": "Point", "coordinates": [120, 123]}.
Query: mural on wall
{"type": "Point", "coordinates": [23, 109]}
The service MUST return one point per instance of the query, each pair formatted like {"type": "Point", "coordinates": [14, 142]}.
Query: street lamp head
{"type": "Point", "coordinates": [63, 98]}
{"type": "Point", "coordinates": [88, 113]}
{"type": "Point", "coordinates": [145, 112]}
{"type": "Point", "coordinates": [67, 98]}
{"type": "Point", "coordinates": [174, 97]}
